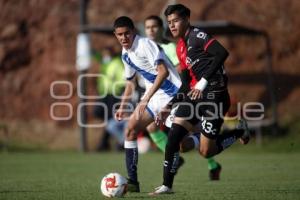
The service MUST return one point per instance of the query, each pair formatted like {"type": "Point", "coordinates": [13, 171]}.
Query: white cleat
{"type": "Point", "coordinates": [161, 190]}
{"type": "Point", "coordinates": [246, 136]}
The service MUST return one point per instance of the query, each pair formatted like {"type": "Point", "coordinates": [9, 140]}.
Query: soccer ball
{"type": "Point", "coordinates": [113, 185]}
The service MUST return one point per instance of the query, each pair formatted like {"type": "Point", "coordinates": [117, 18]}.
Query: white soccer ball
{"type": "Point", "coordinates": [113, 185]}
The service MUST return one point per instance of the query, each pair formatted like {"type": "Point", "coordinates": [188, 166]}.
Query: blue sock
{"type": "Point", "coordinates": [131, 152]}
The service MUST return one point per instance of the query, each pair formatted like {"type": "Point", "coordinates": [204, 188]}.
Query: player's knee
{"type": "Point", "coordinates": [130, 134]}
{"type": "Point", "coordinates": [152, 128]}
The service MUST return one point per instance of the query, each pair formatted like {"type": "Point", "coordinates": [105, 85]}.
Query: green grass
{"type": "Point", "coordinates": [258, 175]}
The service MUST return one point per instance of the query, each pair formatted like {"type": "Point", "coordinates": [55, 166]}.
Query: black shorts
{"type": "Point", "coordinates": [207, 112]}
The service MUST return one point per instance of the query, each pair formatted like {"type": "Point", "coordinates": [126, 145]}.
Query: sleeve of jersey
{"type": "Point", "coordinates": [129, 71]}
{"type": "Point", "coordinates": [153, 52]}
{"type": "Point", "coordinates": [212, 47]}
{"type": "Point", "coordinates": [220, 55]}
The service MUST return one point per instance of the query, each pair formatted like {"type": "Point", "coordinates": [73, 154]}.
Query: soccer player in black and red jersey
{"type": "Point", "coordinates": [154, 30]}
{"type": "Point", "coordinates": [207, 100]}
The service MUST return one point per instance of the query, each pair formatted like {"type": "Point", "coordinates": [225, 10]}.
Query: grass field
{"type": "Point", "coordinates": [258, 175]}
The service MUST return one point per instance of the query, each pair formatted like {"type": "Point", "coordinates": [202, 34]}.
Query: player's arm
{"type": "Point", "coordinates": [130, 76]}
{"type": "Point", "coordinates": [213, 47]}
{"type": "Point", "coordinates": [162, 74]}
{"type": "Point", "coordinates": [129, 89]}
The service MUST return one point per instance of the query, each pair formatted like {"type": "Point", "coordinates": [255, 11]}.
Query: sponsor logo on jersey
{"type": "Point", "coordinates": [190, 63]}
{"type": "Point", "coordinates": [201, 35]}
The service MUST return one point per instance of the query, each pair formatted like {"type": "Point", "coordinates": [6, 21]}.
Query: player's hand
{"type": "Point", "coordinates": [119, 115]}
{"type": "Point", "coordinates": [195, 94]}
{"type": "Point", "coordinates": [142, 106]}
{"type": "Point", "coordinates": [162, 116]}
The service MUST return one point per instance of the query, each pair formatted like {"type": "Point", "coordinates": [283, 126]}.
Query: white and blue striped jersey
{"type": "Point", "coordinates": [143, 57]}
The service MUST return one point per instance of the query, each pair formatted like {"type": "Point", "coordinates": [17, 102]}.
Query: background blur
{"type": "Point", "coordinates": [38, 46]}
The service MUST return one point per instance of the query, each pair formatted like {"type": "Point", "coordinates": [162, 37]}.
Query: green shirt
{"type": "Point", "coordinates": [170, 50]}
{"type": "Point", "coordinates": [111, 80]}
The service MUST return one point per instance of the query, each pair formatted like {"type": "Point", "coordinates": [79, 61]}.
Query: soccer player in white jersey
{"type": "Point", "coordinates": [143, 56]}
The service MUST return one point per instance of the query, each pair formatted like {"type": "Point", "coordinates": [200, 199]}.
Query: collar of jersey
{"type": "Point", "coordinates": [187, 33]}
{"type": "Point", "coordinates": [134, 44]}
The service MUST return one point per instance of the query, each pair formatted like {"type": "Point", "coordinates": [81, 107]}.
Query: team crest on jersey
{"type": "Point", "coordinates": [188, 62]}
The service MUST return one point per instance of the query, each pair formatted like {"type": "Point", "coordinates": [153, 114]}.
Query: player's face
{"type": "Point", "coordinates": [152, 29]}
{"type": "Point", "coordinates": [177, 25]}
{"type": "Point", "coordinates": [125, 36]}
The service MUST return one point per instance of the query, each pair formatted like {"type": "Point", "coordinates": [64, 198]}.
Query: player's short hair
{"type": "Point", "coordinates": [179, 9]}
{"type": "Point", "coordinates": [123, 21]}
{"type": "Point", "coordinates": [156, 18]}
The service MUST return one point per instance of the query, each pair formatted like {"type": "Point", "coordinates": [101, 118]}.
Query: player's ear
{"type": "Point", "coordinates": [115, 34]}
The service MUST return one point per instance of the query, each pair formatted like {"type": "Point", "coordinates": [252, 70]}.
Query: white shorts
{"type": "Point", "coordinates": [157, 103]}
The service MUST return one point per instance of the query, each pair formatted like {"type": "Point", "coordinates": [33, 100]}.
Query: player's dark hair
{"type": "Point", "coordinates": [179, 9]}
{"type": "Point", "coordinates": [123, 21]}
{"type": "Point", "coordinates": [156, 18]}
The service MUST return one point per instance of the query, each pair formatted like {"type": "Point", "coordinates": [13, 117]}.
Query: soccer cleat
{"type": "Point", "coordinates": [214, 174]}
{"type": "Point", "coordinates": [245, 138]}
{"type": "Point", "coordinates": [162, 190]}
{"type": "Point", "coordinates": [133, 186]}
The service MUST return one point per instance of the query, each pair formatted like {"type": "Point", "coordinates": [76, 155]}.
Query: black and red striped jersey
{"type": "Point", "coordinates": [194, 55]}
